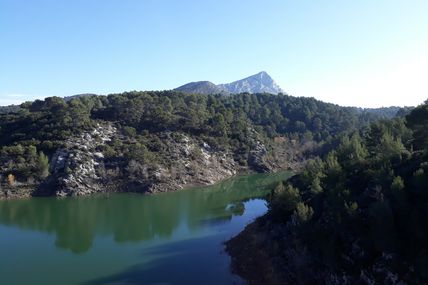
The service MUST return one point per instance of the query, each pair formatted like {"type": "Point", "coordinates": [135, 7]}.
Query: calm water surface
{"type": "Point", "coordinates": [171, 238]}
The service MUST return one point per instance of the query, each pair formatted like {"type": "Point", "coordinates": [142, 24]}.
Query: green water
{"type": "Point", "coordinates": [171, 238]}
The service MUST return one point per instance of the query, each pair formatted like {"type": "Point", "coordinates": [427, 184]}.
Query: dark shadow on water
{"type": "Point", "coordinates": [194, 261]}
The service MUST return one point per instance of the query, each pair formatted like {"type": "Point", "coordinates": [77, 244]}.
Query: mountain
{"type": "Point", "coordinates": [257, 83]}
{"type": "Point", "coordinates": [69, 98]}
{"type": "Point", "coordinates": [9, 109]}
{"type": "Point", "coordinates": [201, 87]}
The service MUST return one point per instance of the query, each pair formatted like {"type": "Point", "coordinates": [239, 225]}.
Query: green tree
{"type": "Point", "coordinates": [352, 150]}
{"type": "Point", "coordinates": [42, 165]}
{"type": "Point", "coordinates": [397, 184]}
{"type": "Point", "coordinates": [313, 173]}
{"type": "Point", "coordinates": [219, 125]}
{"type": "Point", "coordinates": [315, 186]}
{"type": "Point", "coordinates": [303, 213]}
{"type": "Point", "coordinates": [417, 120]}
{"type": "Point", "coordinates": [285, 200]}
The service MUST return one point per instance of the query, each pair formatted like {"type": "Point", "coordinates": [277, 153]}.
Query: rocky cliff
{"type": "Point", "coordinates": [81, 167]}
{"type": "Point", "coordinates": [76, 168]}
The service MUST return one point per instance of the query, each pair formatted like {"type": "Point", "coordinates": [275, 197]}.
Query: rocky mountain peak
{"type": "Point", "coordinates": [257, 83]}
{"type": "Point", "coordinates": [261, 82]}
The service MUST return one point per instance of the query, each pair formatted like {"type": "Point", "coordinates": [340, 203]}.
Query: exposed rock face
{"type": "Point", "coordinates": [179, 160]}
{"type": "Point", "coordinates": [257, 159]}
{"type": "Point", "coordinates": [81, 169]}
{"type": "Point", "coordinates": [74, 167]}
{"type": "Point", "coordinates": [257, 83]}
{"type": "Point", "coordinates": [191, 163]}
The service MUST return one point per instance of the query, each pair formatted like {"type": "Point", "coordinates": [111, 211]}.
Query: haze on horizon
{"type": "Point", "coordinates": [352, 53]}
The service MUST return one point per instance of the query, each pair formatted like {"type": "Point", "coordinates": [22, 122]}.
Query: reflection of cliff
{"type": "Point", "coordinates": [132, 217]}
{"type": "Point", "coordinates": [76, 222]}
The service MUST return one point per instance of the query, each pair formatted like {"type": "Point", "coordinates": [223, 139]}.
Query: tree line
{"type": "Point", "coordinates": [369, 192]}
{"type": "Point", "coordinates": [226, 122]}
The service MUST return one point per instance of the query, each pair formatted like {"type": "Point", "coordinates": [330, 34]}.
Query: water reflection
{"type": "Point", "coordinates": [75, 222]}
{"type": "Point", "coordinates": [172, 268]}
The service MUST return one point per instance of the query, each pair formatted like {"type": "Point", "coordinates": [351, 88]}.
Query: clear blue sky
{"type": "Point", "coordinates": [365, 52]}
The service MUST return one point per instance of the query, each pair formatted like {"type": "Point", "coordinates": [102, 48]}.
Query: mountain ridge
{"type": "Point", "coordinates": [260, 82]}
{"type": "Point", "coordinates": [201, 87]}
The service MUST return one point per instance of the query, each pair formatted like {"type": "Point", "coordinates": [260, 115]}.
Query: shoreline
{"type": "Point", "coordinates": [14, 193]}
{"type": "Point", "coordinates": [250, 252]}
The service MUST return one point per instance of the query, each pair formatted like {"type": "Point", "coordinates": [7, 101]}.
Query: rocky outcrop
{"type": "Point", "coordinates": [257, 159]}
{"type": "Point", "coordinates": [74, 168]}
{"type": "Point", "coordinates": [181, 160]}
{"type": "Point", "coordinates": [191, 163]}
{"type": "Point", "coordinates": [185, 161]}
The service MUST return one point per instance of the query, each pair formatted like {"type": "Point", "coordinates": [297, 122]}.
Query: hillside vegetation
{"type": "Point", "coordinates": [132, 135]}
{"type": "Point", "coordinates": [356, 215]}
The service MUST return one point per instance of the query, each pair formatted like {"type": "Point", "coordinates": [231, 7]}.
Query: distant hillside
{"type": "Point", "coordinates": [68, 98]}
{"type": "Point", "coordinates": [9, 109]}
{"type": "Point", "coordinates": [258, 83]}
{"type": "Point", "coordinates": [201, 87]}
{"type": "Point", "coordinates": [386, 112]}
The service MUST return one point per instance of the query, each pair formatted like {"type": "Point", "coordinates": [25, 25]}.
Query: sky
{"type": "Point", "coordinates": [366, 53]}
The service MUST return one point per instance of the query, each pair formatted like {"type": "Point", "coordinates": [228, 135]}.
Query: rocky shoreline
{"type": "Point", "coordinates": [81, 168]}
{"type": "Point", "coordinates": [268, 253]}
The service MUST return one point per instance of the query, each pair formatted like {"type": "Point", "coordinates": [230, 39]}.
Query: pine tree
{"type": "Point", "coordinates": [42, 165]}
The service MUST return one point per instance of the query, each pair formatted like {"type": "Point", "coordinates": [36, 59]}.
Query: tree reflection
{"type": "Point", "coordinates": [132, 217]}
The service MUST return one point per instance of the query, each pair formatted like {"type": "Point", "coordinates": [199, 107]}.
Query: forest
{"type": "Point", "coordinates": [32, 132]}
{"type": "Point", "coordinates": [360, 210]}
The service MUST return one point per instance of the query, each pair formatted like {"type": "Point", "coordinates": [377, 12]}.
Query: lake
{"type": "Point", "coordinates": [169, 238]}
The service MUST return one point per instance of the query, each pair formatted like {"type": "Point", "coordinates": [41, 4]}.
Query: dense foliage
{"type": "Point", "coordinates": [365, 202]}
{"type": "Point", "coordinates": [226, 122]}
{"type": "Point", "coordinates": [387, 112]}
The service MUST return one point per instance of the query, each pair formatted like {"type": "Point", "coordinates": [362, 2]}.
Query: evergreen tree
{"type": "Point", "coordinates": [42, 165]}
